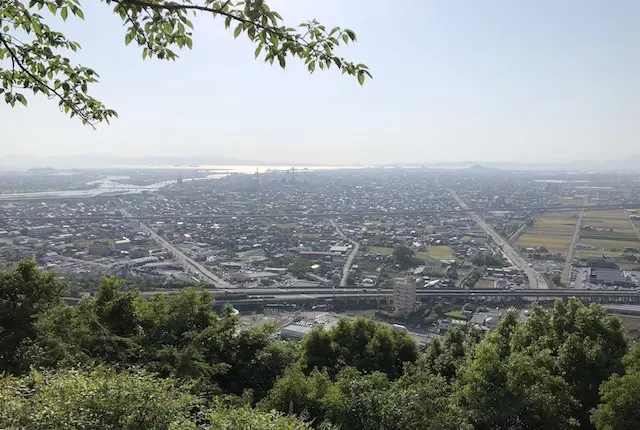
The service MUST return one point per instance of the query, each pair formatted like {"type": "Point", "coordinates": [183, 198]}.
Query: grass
{"type": "Point", "coordinates": [251, 253]}
{"type": "Point", "coordinates": [439, 252]}
{"type": "Point", "coordinates": [380, 250]}
{"type": "Point", "coordinates": [456, 314]}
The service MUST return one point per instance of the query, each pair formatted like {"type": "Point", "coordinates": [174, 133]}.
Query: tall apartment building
{"type": "Point", "coordinates": [404, 298]}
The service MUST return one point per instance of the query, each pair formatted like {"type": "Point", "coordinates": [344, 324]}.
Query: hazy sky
{"type": "Point", "coordinates": [453, 80]}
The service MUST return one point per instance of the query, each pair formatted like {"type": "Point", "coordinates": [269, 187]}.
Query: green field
{"type": "Point", "coordinates": [380, 250]}
{"type": "Point", "coordinates": [552, 230]}
{"type": "Point", "coordinates": [611, 230]}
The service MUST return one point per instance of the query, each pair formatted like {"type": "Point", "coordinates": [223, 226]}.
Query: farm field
{"type": "Point", "coordinates": [609, 230]}
{"type": "Point", "coordinates": [380, 250]}
{"type": "Point", "coordinates": [552, 230]}
{"type": "Point", "coordinates": [438, 252]}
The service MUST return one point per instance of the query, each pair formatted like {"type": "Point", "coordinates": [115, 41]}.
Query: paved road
{"type": "Point", "coordinates": [535, 279]}
{"type": "Point", "coordinates": [185, 259]}
{"type": "Point", "coordinates": [257, 293]}
{"type": "Point", "coordinates": [566, 272]}
{"type": "Point", "coordinates": [281, 296]}
{"type": "Point", "coordinates": [350, 258]}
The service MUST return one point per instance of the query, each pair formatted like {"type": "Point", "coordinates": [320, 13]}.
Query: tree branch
{"type": "Point", "coordinates": [42, 84]}
{"type": "Point", "coordinates": [177, 6]}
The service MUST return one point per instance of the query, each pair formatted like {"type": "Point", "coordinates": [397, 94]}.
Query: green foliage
{"type": "Point", "coordinates": [178, 336]}
{"type": "Point", "coordinates": [100, 399]}
{"type": "Point", "coordinates": [362, 344]}
{"type": "Point", "coordinates": [404, 257]}
{"type": "Point", "coordinates": [24, 294]}
{"type": "Point", "coordinates": [300, 267]}
{"type": "Point", "coordinates": [620, 407]}
{"type": "Point", "coordinates": [172, 362]}
{"type": "Point", "coordinates": [488, 260]}
{"type": "Point", "coordinates": [246, 418]}
{"type": "Point", "coordinates": [36, 58]}
{"type": "Point", "coordinates": [105, 399]}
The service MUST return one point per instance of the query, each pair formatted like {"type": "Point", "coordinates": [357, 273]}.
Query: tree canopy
{"type": "Point", "coordinates": [118, 361]}
{"type": "Point", "coordinates": [34, 56]}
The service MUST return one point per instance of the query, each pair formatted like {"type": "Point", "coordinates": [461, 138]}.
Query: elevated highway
{"type": "Point", "coordinates": [302, 295]}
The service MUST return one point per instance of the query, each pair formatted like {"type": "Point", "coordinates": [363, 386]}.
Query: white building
{"type": "Point", "coordinates": [122, 244]}
{"type": "Point", "coordinates": [294, 331]}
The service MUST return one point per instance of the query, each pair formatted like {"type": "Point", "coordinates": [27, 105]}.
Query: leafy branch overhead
{"type": "Point", "coordinates": [32, 54]}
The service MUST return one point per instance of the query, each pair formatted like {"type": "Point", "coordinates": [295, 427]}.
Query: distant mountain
{"type": "Point", "coordinates": [23, 162]}
{"type": "Point", "coordinates": [108, 161]}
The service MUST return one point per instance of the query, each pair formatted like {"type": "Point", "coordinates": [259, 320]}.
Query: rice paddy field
{"type": "Point", "coordinates": [552, 230]}
{"type": "Point", "coordinates": [610, 232]}
{"type": "Point", "coordinates": [437, 252]}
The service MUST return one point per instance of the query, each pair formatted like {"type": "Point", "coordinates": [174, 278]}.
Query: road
{"type": "Point", "coordinates": [536, 281]}
{"type": "Point", "coordinates": [257, 293]}
{"type": "Point", "coordinates": [350, 258]}
{"type": "Point", "coordinates": [185, 259]}
{"type": "Point", "coordinates": [566, 272]}
{"type": "Point", "coordinates": [266, 295]}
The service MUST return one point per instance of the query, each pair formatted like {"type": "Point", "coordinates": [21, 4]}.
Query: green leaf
{"type": "Point", "coordinates": [21, 99]}
{"type": "Point", "coordinates": [238, 30]}
{"type": "Point", "coordinates": [64, 12]}
{"type": "Point", "coordinates": [361, 77]}
{"type": "Point", "coordinates": [258, 50]}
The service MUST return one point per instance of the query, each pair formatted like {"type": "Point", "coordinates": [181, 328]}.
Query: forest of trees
{"type": "Point", "coordinates": [119, 361]}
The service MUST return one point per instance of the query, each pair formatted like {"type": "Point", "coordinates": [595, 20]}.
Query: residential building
{"type": "Point", "coordinates": [404, 298]}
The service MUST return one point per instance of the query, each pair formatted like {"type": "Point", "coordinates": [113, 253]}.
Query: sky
{"type": "Point", "coordinates": [453, 80]}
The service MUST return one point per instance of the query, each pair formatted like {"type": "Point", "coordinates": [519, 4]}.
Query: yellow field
{"type": "Point", "coordinates": [552, 243]}
{"type": "Point", "coordinates": [618, 220]}
{"type": "Point", "coordinates": [611, 230]}
{"type": "Point", "coordinates": [552, 230]}
{"type": "Point", "coordinates": [437, 252]}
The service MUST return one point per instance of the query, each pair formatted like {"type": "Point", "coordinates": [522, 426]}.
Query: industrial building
{"type": "Point", "coordinates": [294, 331]}
{"type": "Point", "coordinates": [610, 277]}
